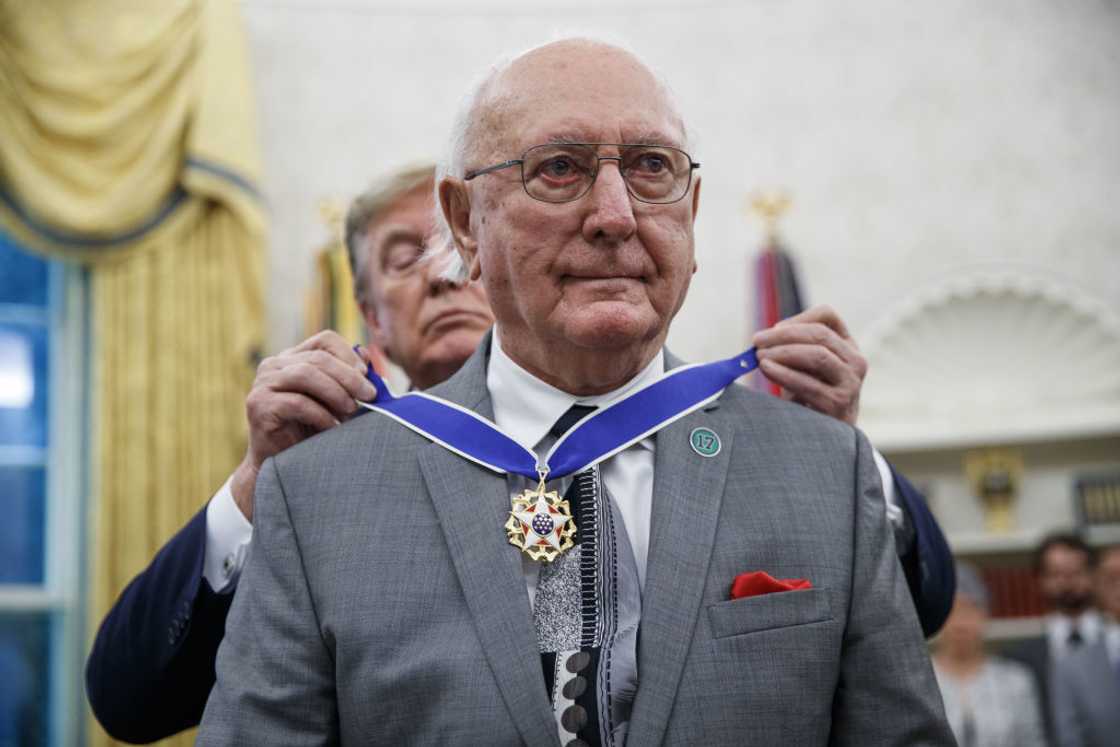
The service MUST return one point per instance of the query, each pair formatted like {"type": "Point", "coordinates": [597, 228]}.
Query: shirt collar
{"type": "Point", "coordinates": [526, 407]}
{"type": "Point", "coordinates": [1060, 626]}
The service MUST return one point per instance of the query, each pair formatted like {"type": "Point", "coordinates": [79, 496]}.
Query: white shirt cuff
{"type": "Point", "coordinates": [894, 511]}
{"type": "Point", "coordinates": [228, 533]}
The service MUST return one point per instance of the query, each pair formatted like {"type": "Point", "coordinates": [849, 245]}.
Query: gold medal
{"type": "Point", "coordinates": [540, 524]}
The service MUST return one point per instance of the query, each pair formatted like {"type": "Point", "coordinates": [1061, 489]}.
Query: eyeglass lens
{"type": "Point", "coordinates": [564, 172]}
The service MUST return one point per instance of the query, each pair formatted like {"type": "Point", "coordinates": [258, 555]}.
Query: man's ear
{"type": "Point", "coordinates": [455, 203]}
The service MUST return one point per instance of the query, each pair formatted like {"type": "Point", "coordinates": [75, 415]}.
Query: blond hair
{"type": "Point", "coordinates": [370, 205]}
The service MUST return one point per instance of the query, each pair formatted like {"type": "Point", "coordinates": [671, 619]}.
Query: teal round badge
{"type": "Point", "coordinates": [704, 442]}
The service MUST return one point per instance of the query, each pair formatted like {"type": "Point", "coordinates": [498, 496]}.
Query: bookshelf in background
{"type": "Point", "coordinates": [1005, 560]}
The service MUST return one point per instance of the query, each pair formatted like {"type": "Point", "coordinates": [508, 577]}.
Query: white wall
{"type": "Point", "coordinates": [1046, 494]}
{"type": "Point", "coordinates": [919, 139]}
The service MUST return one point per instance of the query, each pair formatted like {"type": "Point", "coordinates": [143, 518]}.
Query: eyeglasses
{"type": "Point", "coordinates": [563, 172]}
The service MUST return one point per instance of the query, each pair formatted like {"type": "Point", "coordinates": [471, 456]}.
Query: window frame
{"type": "Point", "coordinates": [63, 595]}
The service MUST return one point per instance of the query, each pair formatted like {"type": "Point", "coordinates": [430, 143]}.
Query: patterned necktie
{"type": "Point", "coordinates": [586, 611]}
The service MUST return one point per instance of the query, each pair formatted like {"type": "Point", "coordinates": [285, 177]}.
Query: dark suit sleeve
{"type": "Point", "coordinates": [928, 563]}
{"type": "Point", "coordinates": [152, 664]}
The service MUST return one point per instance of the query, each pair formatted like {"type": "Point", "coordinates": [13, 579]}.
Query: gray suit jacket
{"type": "Point", "coordinates": [382, 604]}
{"type": "Point", "coordinates": [1086, 693]}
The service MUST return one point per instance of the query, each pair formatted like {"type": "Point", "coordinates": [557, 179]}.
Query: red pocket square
{"type": "Point", "coordinates": [757, 582]}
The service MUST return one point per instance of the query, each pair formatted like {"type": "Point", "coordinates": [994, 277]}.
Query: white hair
{"type": "Point", "coordinates": [464, 136]}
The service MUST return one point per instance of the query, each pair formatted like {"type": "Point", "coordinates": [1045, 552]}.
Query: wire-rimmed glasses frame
{"type": "Point", "coordinates": [539, 156]}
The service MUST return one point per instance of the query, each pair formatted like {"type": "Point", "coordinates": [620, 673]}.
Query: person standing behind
{"type": "Point", "coordinates": [1087, 682]}
{"type": "Point", "coordinates": [1064, 564]}
{"type": "Point", "coordinates": [989, 701]}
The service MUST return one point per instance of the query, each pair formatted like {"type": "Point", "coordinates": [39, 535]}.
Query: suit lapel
{"type": "Point", "coordinates": [472, 504]}
{"type": "Point", "coordinates": [687, 494]}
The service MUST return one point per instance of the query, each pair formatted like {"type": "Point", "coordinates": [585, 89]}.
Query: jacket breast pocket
{"type": "Point", "coordinates": [781, 609]}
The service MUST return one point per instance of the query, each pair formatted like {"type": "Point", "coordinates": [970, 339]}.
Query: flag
{"type": "Point", "coordinates": [777, 294]}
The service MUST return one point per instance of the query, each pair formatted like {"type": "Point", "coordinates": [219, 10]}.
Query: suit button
{"type": "Point", "coordinates": [578, 661]}
{"type": "Point", "coordinates": [175, 630]}
{"type": "Point", "coordinates": [574, 687]}
{"type": "Point", "coordinates": [574, 718]}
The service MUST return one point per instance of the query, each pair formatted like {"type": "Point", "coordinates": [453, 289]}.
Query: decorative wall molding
{"type": "Point", "coordinates": [994, 357]}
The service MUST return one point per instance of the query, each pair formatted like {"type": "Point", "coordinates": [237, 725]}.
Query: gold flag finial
{"type": "Point", "coordinates": [770, 205]}
{"type": "Point", "coordinates": [996, 476]}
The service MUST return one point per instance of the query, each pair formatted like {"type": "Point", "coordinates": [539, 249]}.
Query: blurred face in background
{"type": "Point", "coordinates": [425, 325]}
{"type": "Point", "coordinates": [962, 635]}
{"type": "Point", "coordinates": [1066, 580]}
{"type": "Point", "coordinates": [1107, 579]}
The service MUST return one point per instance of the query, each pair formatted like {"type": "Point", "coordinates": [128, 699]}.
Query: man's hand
{"type": "Point", "coordinates": [815, 361]}
{"type": "Point", "coordinates": [298, 393]}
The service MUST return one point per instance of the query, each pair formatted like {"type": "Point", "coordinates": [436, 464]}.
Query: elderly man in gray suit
{"type": "Point", "coordinates": [719, 569]}
{"type": "Point", "coordinates": [1086, 690]}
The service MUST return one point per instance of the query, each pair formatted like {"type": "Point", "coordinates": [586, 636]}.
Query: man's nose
{"type": "Point", "coordinates": [611, 216]}
{"type": "Point", "coordinates": [433, 278]}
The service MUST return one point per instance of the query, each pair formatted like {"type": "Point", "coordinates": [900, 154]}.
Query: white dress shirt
{"type": "Point", "coordinates": [1058, 628]}
{"type": "Point", "coordinates": [228, 534]}
{"type": "Point", "coordinates": [525, 408]}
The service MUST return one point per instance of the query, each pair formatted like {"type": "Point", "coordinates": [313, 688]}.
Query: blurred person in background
{"type": "Point", "coordinates": [989, 701]}
{"type": "Point", "coordinates": [152, 664]}
{"type": "Point", "coordinates": [1064, 566]}
{"type": "Point", "coordinates": [1087, 681]}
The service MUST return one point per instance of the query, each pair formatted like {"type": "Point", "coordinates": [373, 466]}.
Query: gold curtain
{"type": "Point", "coordinates": [128, 144]}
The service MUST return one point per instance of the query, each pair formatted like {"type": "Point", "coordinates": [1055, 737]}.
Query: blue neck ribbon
{"type": "Point", "coordinates": [600, 435]}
